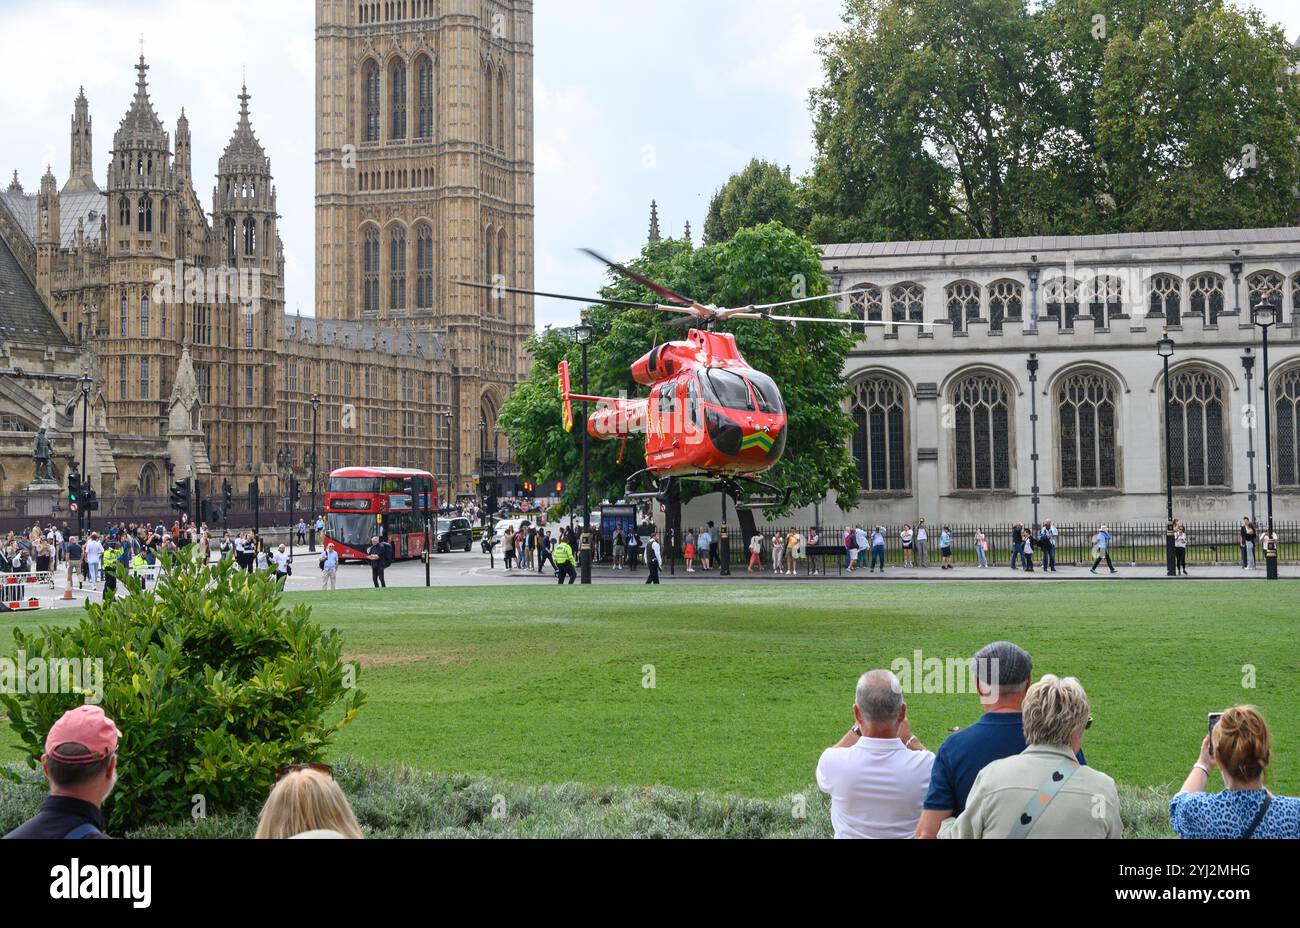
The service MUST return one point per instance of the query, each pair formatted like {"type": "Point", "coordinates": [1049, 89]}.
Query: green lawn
{"type": "Point", "coordinates": [544, 685]}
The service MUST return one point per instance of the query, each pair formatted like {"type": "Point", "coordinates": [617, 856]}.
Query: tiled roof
{"type": "Point", "coordinates": [1049, 243]}
{"type": "Point", "coordinates": [23, 316]}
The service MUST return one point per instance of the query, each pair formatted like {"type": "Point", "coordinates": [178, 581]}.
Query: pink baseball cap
{"type": "Point", "coordinates": [87, 726]}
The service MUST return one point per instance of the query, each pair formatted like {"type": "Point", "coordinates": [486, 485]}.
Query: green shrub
{"type": "Point", "coordinates": [212, 682]}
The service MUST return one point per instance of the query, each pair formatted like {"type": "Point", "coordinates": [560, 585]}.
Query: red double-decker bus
{"type": "Point", "coordinates": [362, 502]}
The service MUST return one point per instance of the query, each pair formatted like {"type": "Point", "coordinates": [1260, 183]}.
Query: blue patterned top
{"type": "Point", "coordinates": [1227, 815]}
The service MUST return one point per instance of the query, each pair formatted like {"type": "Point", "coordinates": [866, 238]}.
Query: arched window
{"type": "Point", "coordinates": [501, 109]}
{"type": "Point", "coordinates": [124, 212]}
{"type": "Point", "coordinates": [963, 304]}
{"type": "Point", "coordinates": [1166, 296]}
{"type": "Point", "coordinates": [1295, 296]}
{"type": "Point", "coordinates": [397, 268]}
{"type": "Point", "coordinates": [1287, 392]}
{"type": "Point", "coordinates": [907, 303]}
{"type": "Point", "coordinates": [424, 267]}
{"type": "Point", "coordinates": [1086, 409]}
{"type": "Point", "coordinates": [1197, 437]}
{"type": "Point", "coordinates": [1206, 293]}
{"type": "Point", "coordinates": [489, 268]}
{"type": "Point", "coordinates": [230, 239]}
{"type": "Point", "coordinates": [867, 303]}
{"type": "Point", "coordinates": [1061, 301]}
{"type": "Point", "coordinates": [370, 270]}
{"type": "Point", "coordinates": [1266, 286]}
{"type": "Point", "coordinates": [397, 101]}
{"type": "Point", "coordinates": [1106, 299]}
{"type": "Point", "coordinates": [489, 105]}
{"type": "Point", "coordinates": [145, 214]}
{"type": "Point", "coordinates": [880, 437]}
{"type": "Point", "coordinates": [250, 237]}
{"type": "Point", "coordinates": [148, 481]}
{"type": "Point", "coordinates": [424, 81]}
{"type": "Point", "coordinates": [981, 408]}
{"type": "Point", "coordinates": [144, 316]}
{"type": "Point", "coordinates": [503, 252]}
{"type": "Point", "coordinates": [124, 312]}
{"type": "Point", "coordinates": [162, 216]}
{"type": "Point", "coordinates": [371, 79]}
{"type": "Point", "coordinates": [267, 239]}
{"type": "Point", "coordinates": [1006, 303]}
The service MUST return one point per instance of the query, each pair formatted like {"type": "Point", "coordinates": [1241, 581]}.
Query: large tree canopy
{"type": "Point", "coordinates": [762, 264]}
{"type": "Point", "coordinates": [983, 118]}
{"type": "Point", "coordinates": [760, 193]}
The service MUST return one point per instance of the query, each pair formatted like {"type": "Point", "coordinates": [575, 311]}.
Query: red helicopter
{"type": "Point", "coordinates": [710, 416]}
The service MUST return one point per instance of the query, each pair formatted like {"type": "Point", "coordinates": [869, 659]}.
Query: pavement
{"type": "Point", "coordinates": [474, 570]}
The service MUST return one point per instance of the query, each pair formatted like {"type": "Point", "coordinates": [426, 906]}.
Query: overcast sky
{"type": "Point", "coordinates": [634, 102]}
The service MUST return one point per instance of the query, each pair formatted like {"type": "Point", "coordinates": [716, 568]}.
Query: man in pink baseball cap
{"type": "Point", "coordinates": [80, 762]}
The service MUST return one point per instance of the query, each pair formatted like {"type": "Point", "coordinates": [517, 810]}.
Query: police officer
{"type": "Point", "coordinates": [564, 562]}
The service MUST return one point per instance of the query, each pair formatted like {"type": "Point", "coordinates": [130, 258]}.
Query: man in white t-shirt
{"type": "Point", "coordinates": [879, 773]}
{"type": "Point", "coordinates": [94, 558]}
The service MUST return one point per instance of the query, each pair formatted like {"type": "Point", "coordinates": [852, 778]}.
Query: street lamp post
{"type": "Point", "coordinates": [1264, 314]}
{"type": "Point", "coordinates": [315, 409]}
{"type": "Point", "coordinates": [1165, 348]}
{"type": "Point", "coordinates": [583, 333]}
{"type": "Point", "coordinates": [85, 383]}
{"type": "Point", "coordinates": [1033, 432]}
{"type": "Point", "coordinates": [1248, 365]}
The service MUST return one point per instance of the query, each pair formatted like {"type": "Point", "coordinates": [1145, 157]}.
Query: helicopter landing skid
{"type": "Point", "coordinates": [775, 497]}
{"type": "Point", "coordinates": [662, 487]}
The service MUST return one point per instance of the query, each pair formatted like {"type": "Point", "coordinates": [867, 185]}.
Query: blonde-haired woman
{"type": "Point", "coordinates": [1043, 792]}
{"type": "Point", "coordinates": [306, 802]}
{"type": "Point", "coordinates": [1240, 746]}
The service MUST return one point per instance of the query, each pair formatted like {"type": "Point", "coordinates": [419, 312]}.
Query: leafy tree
{"type": "Point", "coordinates": [763, 264]}
{"type": "Point", "coordinates": [989, 118]}
{"type": "Point", "coordinates": [761, 193]}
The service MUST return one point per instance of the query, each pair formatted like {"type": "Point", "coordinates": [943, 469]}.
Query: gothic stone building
{"type": "Point", "coordinates": [424, 175]}
{"type": "Point", "coordinates": [943, 416]}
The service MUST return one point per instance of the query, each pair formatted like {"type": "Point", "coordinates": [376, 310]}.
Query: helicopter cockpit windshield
{"type": "Point", "coordinates": [753, 392]}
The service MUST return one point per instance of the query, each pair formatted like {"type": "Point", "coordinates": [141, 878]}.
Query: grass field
{"type": "Point", "coordinates": [540, 685]}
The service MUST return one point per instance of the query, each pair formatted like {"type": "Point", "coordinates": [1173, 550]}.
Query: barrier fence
{"type": "Point", "coordinates": [1135, 543]}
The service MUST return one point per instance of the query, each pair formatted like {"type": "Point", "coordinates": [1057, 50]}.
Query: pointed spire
{"type": "Point", "coordinates": [688, 233]}
{"type": "Point", "coordinates": [141, 122]}
{"type": "Point", "coordinates": [654, 222]}
{"type": "Point", "coordinates": [81, 151]}
{"type": "Point", "coordinates": [15, 186]}
{"type": "Point", "coordinates": [244, 154]}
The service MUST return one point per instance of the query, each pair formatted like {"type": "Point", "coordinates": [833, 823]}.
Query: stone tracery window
{"type": "Point", "coordinates": [981, 410]}
{"type": "Point", "coordinates": [370, 270]}
{"type": "Point", "coordinates": [1206, 291]}
{"type": "Point", "coordinates": [1006, 303]}
{"type": "Point", "coordinates": [1166, 298]}
{"type": "Point", "coordinates": [397, 101]}
{"type": "Point", "coordinates": [1266, 285]}
{"type": "Point", "coordinates": [963, 304]}
{"type": "Point", "coordinates": [1287, 430]}
{"type": "Point", "coordinates": [879, 409]}
{"type": "Point", "coordinates": [907, 303]}
{"type": "Point", "coordinates": [397, 269]}
{"type": "Point", "coordinates": [1086, 407]}
{"type": "Point", "coordinates": [424, 90]}
{"type": "Point", "coordinates": [424, 267]}
{"type": "Point", "coordinates": [371, 72]}
{"type": "Point", "coordinates": [1061, 301]}
{"type": "Point", "coordinates": [1197, 437]}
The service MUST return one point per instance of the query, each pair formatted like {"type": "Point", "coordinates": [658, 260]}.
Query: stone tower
{"type": "Point", "coordinates": [81, 173]}
{"type": "Point", "coordinates": [424, 176]}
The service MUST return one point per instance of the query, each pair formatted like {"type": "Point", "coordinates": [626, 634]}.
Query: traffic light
{"type": "Point", "coordinates": [180, 495]}
{"type": "Point", "coordinates": [74, 491]}
{"type": "Point", "coordinates": [89, 499]}
{"type": "Point", "coordinates": [225, 496]}
{"type": "Point", "coordinates": [253, 497]}
{"type": "Point", "coordinates": [295, 492]}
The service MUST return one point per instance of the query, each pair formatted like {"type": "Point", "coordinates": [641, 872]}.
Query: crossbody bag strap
{"type": "Point", "coordinates": [1259, 817]}
{"type": "Point", "coordinates": [1042, 798]}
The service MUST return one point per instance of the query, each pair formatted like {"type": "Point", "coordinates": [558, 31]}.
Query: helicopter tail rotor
{"type": "Point", "coordinates": [566, 394]}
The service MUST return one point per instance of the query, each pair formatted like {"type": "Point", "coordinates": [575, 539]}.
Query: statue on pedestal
{"type": "Point", "coordinates": [43, 455]}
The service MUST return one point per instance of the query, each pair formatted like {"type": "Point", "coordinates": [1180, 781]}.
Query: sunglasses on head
{"type": "Point", "coordinates": [295, 768]}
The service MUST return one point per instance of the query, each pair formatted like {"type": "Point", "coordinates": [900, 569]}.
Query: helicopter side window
{"type": "Point", "coordinates": [765, 391]}
{"type": "Point", "coordinates": [731, 389]}
{"type": "Point", "coordinates": [667, 399]}
{"type": "Point", "coordinates": [693, 402]}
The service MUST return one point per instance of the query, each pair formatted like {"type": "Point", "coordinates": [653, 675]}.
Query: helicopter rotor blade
{"type": "Point", "coordinates": [861, 322]}
{"type": "Point", "coordinates": [593, 300]}
{"type": "Point", "coordinates": [646, 282]}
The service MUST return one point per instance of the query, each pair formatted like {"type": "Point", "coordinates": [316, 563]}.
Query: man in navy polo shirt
{"type": "Point", "coordinates": [1003, 672]}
